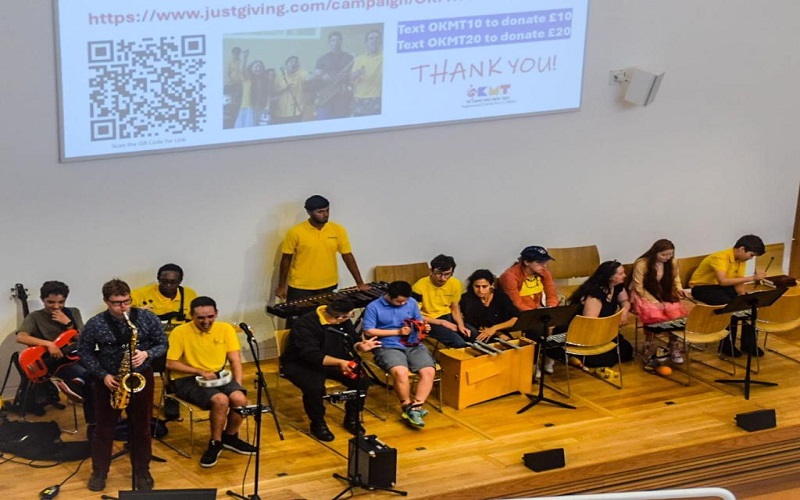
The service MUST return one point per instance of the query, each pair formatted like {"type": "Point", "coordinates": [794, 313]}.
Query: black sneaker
{"type": "Point", "coordinates": [97, 482]}
{"type": "Point", "coordinates": [725, 348]}
{"type": "Point", "coordinates": [233, 443]}
{"type": "Point", "coordinates": [353, 426]}
{"type": "Point", "coordinates": [143, 481]}
{"type": "Point", "coordinates": [209, 458]}
{"type": "Point", "coordinates": [320, 431]}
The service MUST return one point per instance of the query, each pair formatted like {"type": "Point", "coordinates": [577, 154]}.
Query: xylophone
{"type": "Point", "coordinates": [481, 372]}
{"type": "Point", "coordinates": [359, 298]}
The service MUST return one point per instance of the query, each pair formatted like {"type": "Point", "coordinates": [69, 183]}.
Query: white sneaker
{"type": "Point", "coordinates": [676, 356]}
{"type": "Point", "coordinates": [549, 365]}
{"type": "Point", "coordinates": [538, 374]}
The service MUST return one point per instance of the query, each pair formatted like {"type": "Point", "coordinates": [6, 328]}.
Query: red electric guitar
{"type": "Point", "coordinates": [39, 365]}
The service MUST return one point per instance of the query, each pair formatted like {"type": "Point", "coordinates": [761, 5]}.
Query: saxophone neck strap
{"type": "Point", "coordinates": [122, 335]}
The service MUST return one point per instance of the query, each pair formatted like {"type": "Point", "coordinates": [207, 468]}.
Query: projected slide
{"type": "Point", "coordinates": [161, 75]}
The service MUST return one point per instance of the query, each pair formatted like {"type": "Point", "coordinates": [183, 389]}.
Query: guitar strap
{"type": "Point", "coordinates": [181, 314]}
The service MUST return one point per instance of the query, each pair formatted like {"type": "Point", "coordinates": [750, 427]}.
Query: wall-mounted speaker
{"type": "Point", "coordinates": [642, 86]}
{"type": "Point", "coordinates": [540, 461]}
{"type": "Point", "coordinates": [756, 420]}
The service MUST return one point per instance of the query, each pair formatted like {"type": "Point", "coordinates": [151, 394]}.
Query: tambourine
{"type": "Point", "coordinates": [418, 332]}
{"type": "Point", "coordinates": [223, 377]}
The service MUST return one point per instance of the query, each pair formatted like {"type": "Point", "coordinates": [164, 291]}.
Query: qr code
{"type": "Point", "coordinates": [147, 88]}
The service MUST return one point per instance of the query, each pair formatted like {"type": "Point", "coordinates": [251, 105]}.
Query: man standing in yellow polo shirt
{"type": "Point", "coordinates": [308, 264]}
{"type": "Point", "coordinates": [720, 278]}
{"type": "Point", "coordinates": [440, 294]}
{"type": "Point", "coordinates": [167, 299]}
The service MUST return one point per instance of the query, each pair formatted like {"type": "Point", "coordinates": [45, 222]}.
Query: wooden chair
{"type": "Point", "coordinates": [591, 336]}
{"type": "Point", "coordinates": [687, 266]}
{"type": "Point", "coordinates": [703, 326]}
{"type": "Point", "coordinates": [781, 317]}
{"type": "Point", "coordinates": [773, 251]}
{"type": "Point", "coordinates": [571, 264]}
{"type": "Point", "coordinates": [410, 273]}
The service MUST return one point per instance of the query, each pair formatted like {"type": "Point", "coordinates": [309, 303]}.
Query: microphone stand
{"type": "Point", "coordinates": [354, 479]}
{"type": "Point", "coordinates": [259, 409]}
{"type": "Point", "coordinates": [291, 93]}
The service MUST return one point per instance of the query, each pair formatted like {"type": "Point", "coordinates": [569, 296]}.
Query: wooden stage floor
{"type": "Point", "coordinates": [654, 433]}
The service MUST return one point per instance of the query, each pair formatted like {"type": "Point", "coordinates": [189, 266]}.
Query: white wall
{"type": "Point", "coordinates": [713, 158]}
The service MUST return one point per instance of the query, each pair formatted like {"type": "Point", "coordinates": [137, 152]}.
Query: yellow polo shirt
{"type": "Point", "coordinates": [148, 297]}
{"type": "Point", "coordinates": [706, 272]}
{"type": "Point", "coordinates": [436, 300]}
{"type": "Point", "coordinates": [314, 264]}
{"type": "Point", "coordinates": [207, 351]}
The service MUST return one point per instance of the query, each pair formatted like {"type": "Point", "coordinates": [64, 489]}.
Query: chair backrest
{"type": "Point", "coordinates": [573, 262]}
{"type": "Point", "coordinates": [773, 250]}
{"type": "Point", "coordinates": [585, 331]}
{"type": "Point", "coordinates": [687, 266]}
{"type": "Point", "coordinates": [410, 273]}
{"type": "Point", "coordinates": [784, 310]}
{"type": "Point", "coordinates": [281, 340]}
{"type": "Point", "coordinates": [702, 319]}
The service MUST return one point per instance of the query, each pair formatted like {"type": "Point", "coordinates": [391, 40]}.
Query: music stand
{"type": "Point", "coordinates": [539, 322]}
{"type": "Point", "coordinates": [749, 302]}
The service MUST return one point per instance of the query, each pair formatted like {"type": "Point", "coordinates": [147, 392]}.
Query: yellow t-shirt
{"type": "Point", "coordinates": [436, 300]}
{"type": "Point", "coordinates": [207, 351]}
{"type": "Point", "coordinates": [148, 297]}
{"type": "Point", "coordinates": [370, 84]}
{"type": "Point", "coordinates": [531, 286]}
{"type": "Point", "coordinates": [314, 264]}
{"type": "Point", "coordinates": [706, 272]}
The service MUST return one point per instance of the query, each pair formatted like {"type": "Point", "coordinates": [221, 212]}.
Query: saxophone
{"type": "Point", "coordinates": [129, 381]}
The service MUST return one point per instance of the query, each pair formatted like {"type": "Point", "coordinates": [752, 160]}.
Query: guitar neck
{"type": "Point", "coordinates": [22, 295]}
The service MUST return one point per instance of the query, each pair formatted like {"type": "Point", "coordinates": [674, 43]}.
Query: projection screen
{"type": "Point", "coordinates": [151, 76]}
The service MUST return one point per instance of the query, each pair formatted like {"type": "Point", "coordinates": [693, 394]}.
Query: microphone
{"type": "Point", "coordinates": [340, 332]}
{"type": "Point", "coordinates": [246, 330]}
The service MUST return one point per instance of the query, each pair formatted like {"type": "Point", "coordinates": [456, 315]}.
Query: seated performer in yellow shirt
{"type": "Point", "coordinates": [167, 299]}
{"type": "Point", "coordinates": [201, 349]}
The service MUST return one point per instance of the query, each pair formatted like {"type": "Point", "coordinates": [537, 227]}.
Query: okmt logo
{"type": "Point", "coordinates": [477, 92]}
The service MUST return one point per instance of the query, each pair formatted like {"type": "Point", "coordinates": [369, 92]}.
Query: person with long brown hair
{"type": "Point", "coordinates": [656, 293]}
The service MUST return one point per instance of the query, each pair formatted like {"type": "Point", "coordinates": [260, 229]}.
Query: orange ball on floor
{"type": "Point", "coordinates": [664, 371]}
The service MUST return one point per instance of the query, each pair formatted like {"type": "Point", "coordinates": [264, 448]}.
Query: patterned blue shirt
{"type": "Point", "coordinates": [106, 360]}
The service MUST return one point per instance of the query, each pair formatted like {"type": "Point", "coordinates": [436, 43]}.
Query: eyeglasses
{"type": "Point", "coordinates": [120, 303]}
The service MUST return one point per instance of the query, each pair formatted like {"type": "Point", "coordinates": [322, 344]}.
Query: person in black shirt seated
{"type": "Point", "coordinates": [602, 295]}
{"type": "Point", "coordinates": [318, 349]}
{"type": "Point", "coordinates": [487, 308]}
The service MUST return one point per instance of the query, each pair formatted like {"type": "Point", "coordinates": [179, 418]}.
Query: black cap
{"type": "Point", "coordinates": [535, 254]}
{"type": "Point", "coordinates": [317, 202]}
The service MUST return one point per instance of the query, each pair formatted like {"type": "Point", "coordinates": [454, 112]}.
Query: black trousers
{"type": "Point", "coordinates": [311, 380]}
